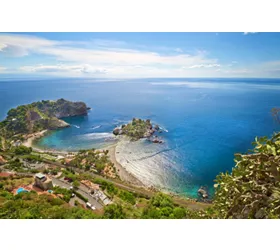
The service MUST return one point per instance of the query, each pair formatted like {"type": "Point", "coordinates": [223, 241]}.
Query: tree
{"type": "Point", "coordinates": [114, 211]}
{"type": "Point", "coordinates": [20, 150]}
{"type": "Point", "coordinates": [76, 184]}
{"type": "Point", "coordinates": [179, 213]}
{"type": "Point", "coordinates": [252, 190]}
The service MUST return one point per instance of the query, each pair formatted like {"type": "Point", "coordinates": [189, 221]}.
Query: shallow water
{"type": "Point", "coordinates": [208, 120]}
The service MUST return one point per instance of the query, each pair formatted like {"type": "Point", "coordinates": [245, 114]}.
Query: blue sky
{"type": "Point", "coordinates": [140, 54]}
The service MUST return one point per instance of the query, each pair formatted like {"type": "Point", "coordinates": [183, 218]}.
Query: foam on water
{"type": "Point", "coordinates": [96, 127]}
{"type": "Point", "coordinates": [151, 163]}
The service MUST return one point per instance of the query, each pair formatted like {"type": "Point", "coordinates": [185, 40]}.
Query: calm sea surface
{"type": "Point", "coordinates": [206, 122]}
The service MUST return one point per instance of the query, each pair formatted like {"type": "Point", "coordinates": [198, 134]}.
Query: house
{"type": "Point", "coordinates": [91, 186]}
{"type": "Point", "coordinates": [5, 174]}
{"type": "Point", "coordinates": [43, 182]}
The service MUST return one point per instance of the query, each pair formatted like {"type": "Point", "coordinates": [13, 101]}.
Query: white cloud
{"type": "Point", "coordinates": [204, 66]}
{"type": "Point", "coordinates": [179, 50]}
{"type": "Point", "coordinates": [110, 58]}
{"type": "Point", "coordinates": [2, 69]}
{"type": "Point", "coordinates": [17, 45]}
{"type": "Point", "coordinates": [78, 69]}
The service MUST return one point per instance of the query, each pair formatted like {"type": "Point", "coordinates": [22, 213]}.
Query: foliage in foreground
{"type": "Point", "coordinates": [252, 190]}
{"type": "Point", "coordinates": [161, 206]}
{"type": "Point", "coordinates": [33, 206]}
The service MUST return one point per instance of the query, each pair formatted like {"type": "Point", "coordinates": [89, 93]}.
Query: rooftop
{"type": "Point", "coordinates": [40, 175]}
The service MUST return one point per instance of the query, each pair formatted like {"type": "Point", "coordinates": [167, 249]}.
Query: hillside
{"type": "Point", "coordinates": [40, 115]}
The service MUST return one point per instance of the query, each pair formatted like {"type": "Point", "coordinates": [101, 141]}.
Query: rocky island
{"type": "Point", "coordinates": [38, 116]}
{"type": "Point", "coordinates": [138, 129]}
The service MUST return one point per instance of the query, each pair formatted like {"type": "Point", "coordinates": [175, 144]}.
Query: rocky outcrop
{"type": "Point", "coordinates": [203, 193]}
{"type": "Point", "coordinates": [117, 131]}
{"type": "Point", "coordinates": [64, 108]}
{"type": "Point", "coordinates": [156, 140]}
{"type": "Point", "coordinates": [54, 123]}
{"type": "Point", "coordinates": [157, 127]}
{"type": "Point", "coordinates": [138, 129]}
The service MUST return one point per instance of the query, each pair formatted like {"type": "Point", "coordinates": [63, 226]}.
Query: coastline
{"type": "Point", "coordinates": [31, 137]}
{"type": "Point", "coordinates": [29, 142]}
{"type": "Point", "coordinates": [124, 175]}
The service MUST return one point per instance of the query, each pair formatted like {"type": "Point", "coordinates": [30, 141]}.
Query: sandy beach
{"type": "Point", "coordinates": [31, 137]}
{"type": "Point", "coordinates": [29, 142]}
{"type": "Point", "coordinates": [122, 172]}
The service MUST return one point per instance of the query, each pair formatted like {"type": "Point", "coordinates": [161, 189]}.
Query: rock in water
{"type": "Point", "coordinates": [116, 131]}
{"type": "Point", "coordinates": [157, 127]}
{"type": "Point", "coordinates": [203, 192]}
{"type": "Point", "coordinates": [138, 129]}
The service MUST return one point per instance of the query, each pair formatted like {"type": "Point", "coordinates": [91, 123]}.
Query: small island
{"type": "Point", "coordinates": [138, 129]}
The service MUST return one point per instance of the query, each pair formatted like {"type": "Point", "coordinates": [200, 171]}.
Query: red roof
{"type": "Point", "coordinates": [4, 174]}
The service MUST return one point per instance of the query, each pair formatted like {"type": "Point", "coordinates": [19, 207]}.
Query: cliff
{"type": "Point", "coordinates": [41, 115]}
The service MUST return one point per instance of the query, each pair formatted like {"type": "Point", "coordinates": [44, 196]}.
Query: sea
{"type": "Point", "coordinates": [204, 122]}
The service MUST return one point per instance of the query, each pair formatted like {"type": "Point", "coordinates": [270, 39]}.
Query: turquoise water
{"type": "Point", "coordinates": [20, 190]}
{"type": "Point", "coordinates": [208, 120]}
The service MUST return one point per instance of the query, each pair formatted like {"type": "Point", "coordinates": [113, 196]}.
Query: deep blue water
{"type": "Point", "coordinates": [208, 120]}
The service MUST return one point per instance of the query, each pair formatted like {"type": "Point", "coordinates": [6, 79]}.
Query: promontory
{"type": "Point", "coordinates": [38, 116]}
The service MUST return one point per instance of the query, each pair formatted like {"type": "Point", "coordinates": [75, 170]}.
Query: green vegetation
{"type": "Point", "coordinates": [66, 193]}
{"type": "Point", "coordinates": [32, 158]}
{"type": "Point", "coordinates": [80, 196]}
{"type": "Point", "coordinates": [15, 165]}
{"type": "Point", "coordinates": [10, 183]}
{"type": "Point", "coordinates": [38, 116]}
{"type": "Point", "coordinates": [161, 206]}
{"type": "Point", "coordinates": [127, 196]}
{"type": "Point", "coordinates": [22, 150]}
{"type": "Point", "coordinates": [136, 129]}
{"type": "Point", "coordinates": [33, 206]}
{"type": "Point", "coordinates": [94, 160]}
{"type": "Point", "coordinates": [252, 190]}
{"type": "Point", "coordinates": [110, 189]}
{"type": "Point", "coordinates": [114, 211]}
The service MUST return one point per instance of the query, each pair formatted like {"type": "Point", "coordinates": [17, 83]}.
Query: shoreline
{"type": "Point", "coordinates": [124, 175]}
{"type": "Point", "coordinates": [29, 142]}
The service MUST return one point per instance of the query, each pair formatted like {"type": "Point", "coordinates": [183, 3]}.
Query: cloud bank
{"type": "Point", "coordinates": [109, 58]}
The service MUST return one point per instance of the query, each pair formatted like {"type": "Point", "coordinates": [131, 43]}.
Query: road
{"type": "Point", "coordinates": [141, 191]}
{"type": "Point", "coordinates": [72, 201]}
{"type": "Point", "coordinates": [91, 200]}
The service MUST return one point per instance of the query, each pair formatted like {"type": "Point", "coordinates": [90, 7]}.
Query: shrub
{"type": "Point", "coordinates": [114, 211]}
{"type": "Point", "coordinates": [80, 196]}
{"type": "Point", "coordinates": [127, 196]}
